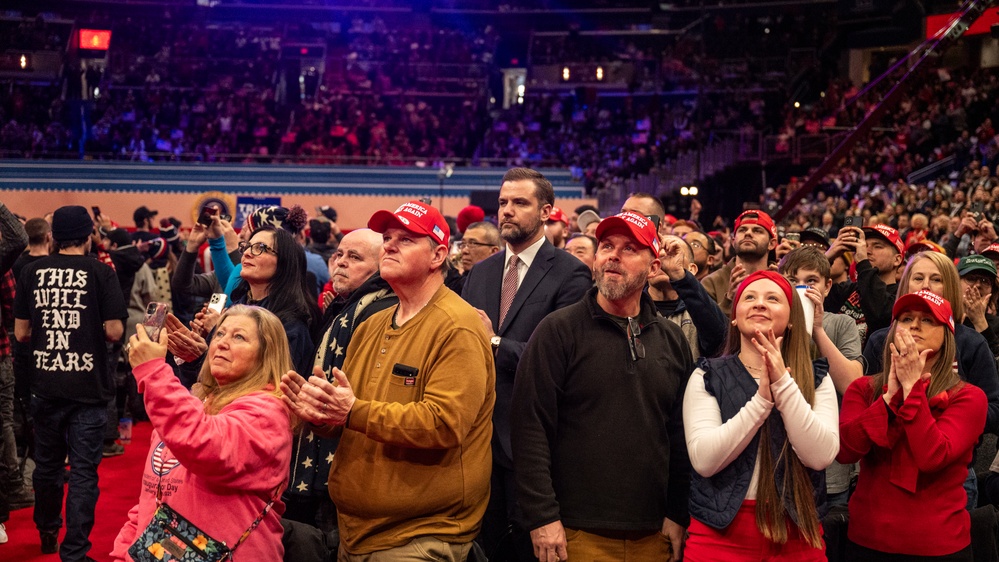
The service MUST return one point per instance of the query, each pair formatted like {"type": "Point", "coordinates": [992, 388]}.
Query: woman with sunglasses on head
{"type": "Point", "coordinates": [913, 427]}
{"type": "Point", "coordinates": [761, 426]}
{"type": "Point", "coordinates": [273, 277]}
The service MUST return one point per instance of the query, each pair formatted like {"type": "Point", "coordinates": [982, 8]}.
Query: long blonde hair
{"type": "Point", "coordinates": [273, 360]}
{"type": "Point", "coordinates": [951, 281]}
{"type": "Point", "coordinates": [771, 517]}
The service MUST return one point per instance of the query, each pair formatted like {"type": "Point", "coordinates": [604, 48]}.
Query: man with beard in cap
{"type": "Point", "coordinates": [68, 306]}
{"type": "Point", "coordinates": [579, 500]}
{"type": "Point", "coordinates": [755, 235]}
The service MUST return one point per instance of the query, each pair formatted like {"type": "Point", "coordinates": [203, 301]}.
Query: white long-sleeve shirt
{"type": "Point", "coordinates": [813, 431]}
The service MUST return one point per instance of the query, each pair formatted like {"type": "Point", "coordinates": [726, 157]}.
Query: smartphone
{"type": "Point", "coordinates": [426, 200]}
{"type": "Point", "coordinates": [793, 236]}
{"type": "Point", "coordinates": [156, 314]}
{"type": "Point", "coordinates": [96, 210]}
{"type": "Point", "coordinates": [206, 215]}
{"type": "Point", "coordinates": [977, 209]}
{"type": "Point", "coordinates": [856, 221]}
{"type": "Point", "coordinates": [217, 302]}
{"type": "Point", "coordinates": [655, 220]}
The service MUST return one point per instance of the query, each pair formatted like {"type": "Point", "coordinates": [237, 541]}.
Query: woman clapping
{"type": "Point", "coordinates": [761, 427]}
{"type": "Point", "coordinates": [913, 427]}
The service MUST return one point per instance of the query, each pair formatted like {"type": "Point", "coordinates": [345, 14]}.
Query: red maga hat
{"type": "Point", "coordinates": [925, 300]}
{"type": "Point", "coordinates": [416, 217]}
{"type": "Point", "coordinates": [637, 226]}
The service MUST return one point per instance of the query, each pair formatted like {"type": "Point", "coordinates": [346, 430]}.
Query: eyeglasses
{"type": "Point", "coordinates": [696, 244]}
{"type": "Point", "coordinates": [256, 248]}
{"type": "Point", "coordinates": [635, 344]}
{"type": "Point", "coordinates": [473, 244]}
{"type": "Point", "coordinates": [980, 281]}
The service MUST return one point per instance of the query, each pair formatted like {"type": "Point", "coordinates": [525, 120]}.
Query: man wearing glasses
{"type": "Point", "coordinates": [481, 240]}
{"type": "Point", "coordinates": [601, 422]}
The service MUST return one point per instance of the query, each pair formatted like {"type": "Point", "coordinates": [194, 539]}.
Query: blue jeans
{"type": "Point", "coordinates": [75, 429]}
{"type": "Point", "coordinates": [9, 467]}
{"type": "Point", "coordinates": [971, 487]}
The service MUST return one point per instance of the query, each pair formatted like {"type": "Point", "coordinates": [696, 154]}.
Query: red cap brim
{"type": "Point", "coordinates": [915, 301]}
{"type": "Point", "coordinates": [381, 221]}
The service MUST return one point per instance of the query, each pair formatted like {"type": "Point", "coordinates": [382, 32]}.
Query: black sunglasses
{"type": "Point", "coordinates": [635, 344]}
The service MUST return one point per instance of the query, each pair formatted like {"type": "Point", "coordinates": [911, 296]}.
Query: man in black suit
{"type": "Point", "coordinates": [512, 291]}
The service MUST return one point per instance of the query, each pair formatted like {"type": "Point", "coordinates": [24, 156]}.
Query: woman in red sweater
{"type": "Point", "coordinates": [913, 428]}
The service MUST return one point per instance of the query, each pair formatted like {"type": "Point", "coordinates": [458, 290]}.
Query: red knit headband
{"type": "Point", "coordinates": [766, 274]}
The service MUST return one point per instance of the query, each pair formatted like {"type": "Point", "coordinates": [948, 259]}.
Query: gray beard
{"type": "Point", "coordinates": [617, 291]}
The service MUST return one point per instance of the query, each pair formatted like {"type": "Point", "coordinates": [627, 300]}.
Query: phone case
{"type": "Point", "coordinates": [156, 313]}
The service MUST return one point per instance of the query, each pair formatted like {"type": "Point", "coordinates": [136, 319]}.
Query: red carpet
{"type": "Point", "coordinates": [119, 482]}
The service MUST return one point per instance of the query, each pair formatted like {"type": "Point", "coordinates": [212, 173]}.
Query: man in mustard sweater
{"type": "Point", "coordinates": [415, 401]}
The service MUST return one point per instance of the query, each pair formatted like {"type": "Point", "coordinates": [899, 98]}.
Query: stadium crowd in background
{"type": "Point", "coordinates": [731, 337]}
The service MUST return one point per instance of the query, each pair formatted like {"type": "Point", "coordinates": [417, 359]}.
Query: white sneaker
{"type": "Point", "coordinates": [3, 534]}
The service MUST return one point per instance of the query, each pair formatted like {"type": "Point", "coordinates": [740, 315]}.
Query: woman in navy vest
{"type": "Point", "coordinates": [761, 426]}
{"type": "Point", "coordinates": [913, 427]}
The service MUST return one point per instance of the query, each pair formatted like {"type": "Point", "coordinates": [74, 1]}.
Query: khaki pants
{"type": "Point", "coordinates": [417, 550]}
{"type": "Point", "coordinates": [617, 547]}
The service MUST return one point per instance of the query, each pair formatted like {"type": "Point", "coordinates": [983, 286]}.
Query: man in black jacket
{"type": "Point", "coordinates": [598, 445]}
{"type": "Point", "coordinates": [879, 254]}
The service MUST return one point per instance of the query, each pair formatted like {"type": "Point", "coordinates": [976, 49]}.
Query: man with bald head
{"type": "Point", "coordinates": [360, 292]}
{"type": "Point", "coordinates": [648, 205]}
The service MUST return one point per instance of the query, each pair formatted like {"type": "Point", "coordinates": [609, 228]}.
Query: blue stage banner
{"type": "Point", "coordinates": [246, 205]}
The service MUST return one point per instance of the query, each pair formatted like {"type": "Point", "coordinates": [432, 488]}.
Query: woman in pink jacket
{"type": "Point", "coordinates": [221, 453]}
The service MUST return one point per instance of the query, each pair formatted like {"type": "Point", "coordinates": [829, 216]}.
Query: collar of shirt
{"type": "Point", "coordinates": [526, 257]}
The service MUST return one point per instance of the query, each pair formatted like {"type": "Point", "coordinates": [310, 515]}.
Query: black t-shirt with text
{"type": "Point", "coordinates": [67, 298]}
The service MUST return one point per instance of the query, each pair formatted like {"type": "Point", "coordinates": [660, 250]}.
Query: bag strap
{"type": "Point", "coordinates": [246, 533]}
{"type": "Point", "coordinates": [267, 509]}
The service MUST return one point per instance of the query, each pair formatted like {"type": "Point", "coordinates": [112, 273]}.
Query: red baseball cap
{"type": "Point", "coordinates": [558, 215]}
{"type": "Point", "coordinates": [927, 301]}
{"type": "Point", "coordinates": [416, 217]}
{"type": "Point", "coordinates": [991, 249]}
{"type": "Point", "coordinates": [637, 226]}
{"type": "Point", "coordinates": [888, 233]}
{"type": "Point", "coordinates": [756, 216]}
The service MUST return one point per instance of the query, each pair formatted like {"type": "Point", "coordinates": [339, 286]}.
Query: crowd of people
{"type": "Point", "coordinates": [442, 387]}
{"type": "Point", "coordinates": [185, 90]}
{"type": "Point", "coordinates": [469, 388]}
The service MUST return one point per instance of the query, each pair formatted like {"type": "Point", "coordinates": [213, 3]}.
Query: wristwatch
{"type": "Point", "coordinates": [495, 342]}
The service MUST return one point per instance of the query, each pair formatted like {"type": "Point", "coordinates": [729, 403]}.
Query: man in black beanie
{"type": "Point", "coordinates": [67, 306]}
